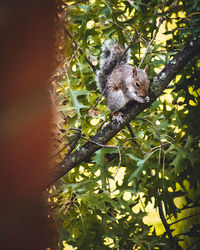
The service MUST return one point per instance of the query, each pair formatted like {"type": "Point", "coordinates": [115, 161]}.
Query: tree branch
{"type": "Point", "coordinates": [110, 130]}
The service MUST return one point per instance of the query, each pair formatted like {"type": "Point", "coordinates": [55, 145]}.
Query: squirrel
{"type": "Point", "coordinates": [119, 81]}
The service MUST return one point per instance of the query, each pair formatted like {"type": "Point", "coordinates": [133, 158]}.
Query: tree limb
{"type": "Point", "coordinates": [110, 130]}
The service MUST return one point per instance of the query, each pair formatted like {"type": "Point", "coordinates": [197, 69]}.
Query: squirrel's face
{"type": "Point", "coordinates": [140, 85]}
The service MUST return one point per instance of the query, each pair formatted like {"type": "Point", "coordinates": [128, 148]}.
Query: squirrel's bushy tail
{"type": "Point", "coordinates": [111, 55]}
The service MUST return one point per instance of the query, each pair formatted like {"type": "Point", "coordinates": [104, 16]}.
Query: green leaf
{"type": "Point", "coordinates": [74, 96]}
{"type": "Point", "coordinates": [140, 163]}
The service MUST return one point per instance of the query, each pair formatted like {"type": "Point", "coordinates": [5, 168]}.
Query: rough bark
{"type": "Point", "coordinates": [110, 130]}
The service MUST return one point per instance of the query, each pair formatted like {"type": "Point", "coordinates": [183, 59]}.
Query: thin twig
{"type": "Point", "coordinates": [73, 56]}
{"type": "Point", "coordinates": [98, 100]}
{"type": "Point", "coordinates": [113, 157]}
{"type": "Point", "coordinates": [143, 40]}
{"type": "Point", "coordinates": [80, 1]}
{"type": "Point", "coordinates": [101, 145]}
{"type": "Point", "coordinates": [133, 26]}
{"type": "Point", "coordinates": [78, 136]}
{"type": "Point", "coordinates": [121, 28]}
{"type": "Point", "coordinates": [59, 151]}
{"type": "Point", "coordinates": [120, 160]}
{"type": "Point", "coordinates": [81, 51]}
{"type": "Point", "coordinates": [133, 137]}
{"type": "Point", "coordinates": [185, 218]}
{"type": "Point", "coordinates": [71, 144]}
{"type": "Point", "coordinates": [155, 52]}
{"type": "Point", "coordinates": [76, 129]}
{"type": "Point", "coordinates": [154, 36]}
{"type": "Point", "coordinates": [67, 65]}
{"type": "Point", "coordinates": [158, 135]}
{"type": "Point", "coordinates": [128, 47]}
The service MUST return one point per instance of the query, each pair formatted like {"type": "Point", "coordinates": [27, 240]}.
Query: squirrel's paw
{"type": "Point", "coordinates": [118, 116]}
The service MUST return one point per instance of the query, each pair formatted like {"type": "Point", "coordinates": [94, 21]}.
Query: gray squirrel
{"type": "Point", "coordinates": [120, 81]}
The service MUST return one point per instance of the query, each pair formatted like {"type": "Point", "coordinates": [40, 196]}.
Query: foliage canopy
{"type": "Point", "coordinates": [107, 201]}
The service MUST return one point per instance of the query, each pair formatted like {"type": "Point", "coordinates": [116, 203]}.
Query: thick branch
{"type": "Point", "coordinates": [105, 134]}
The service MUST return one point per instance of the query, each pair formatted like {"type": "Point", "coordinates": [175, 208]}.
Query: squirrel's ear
{"type": "Point", "coordinates": [134, 71]}
{"type": "Point", "coordinates": [146, 69]}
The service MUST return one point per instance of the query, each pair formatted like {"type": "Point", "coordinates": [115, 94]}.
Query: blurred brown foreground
{"type": "Point", "coordinates": [26, 55]}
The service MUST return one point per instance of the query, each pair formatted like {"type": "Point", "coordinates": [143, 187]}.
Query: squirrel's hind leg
{"type": "Point", "coordinates": [118, 117]}
{"type": "Point", "coordinates": [116, 99]}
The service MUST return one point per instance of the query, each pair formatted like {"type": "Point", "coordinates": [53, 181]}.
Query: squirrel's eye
{"type": "Point", "coordinates": [137, 84]}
